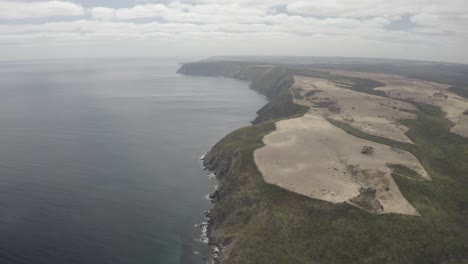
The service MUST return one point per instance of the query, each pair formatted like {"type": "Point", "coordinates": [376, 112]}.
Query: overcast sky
{"type": "Point", "coordinates": [408, 29]}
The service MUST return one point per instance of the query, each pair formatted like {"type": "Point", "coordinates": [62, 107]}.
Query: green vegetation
{"type": "Point", "coordinates": [276, 226]}
{"type": "Point", "coordinates": [275, 85]}
{"type": "Point", "coordinates": [312, 93]}
{"type": "Point", "coordinates": [358, 133]}
{"type": "Point", "coordinates": [403, 171]}
{"type": "Point", "coordinates": [353, 83]}
{"type": "Point", "coordinates": [367, 200]}
{"type": "Point", "coordinates": [297, 91]}
{"type": "Point", "coordinates": [324, 104]}
{"type": "Point", "coordinates": [262, 223]}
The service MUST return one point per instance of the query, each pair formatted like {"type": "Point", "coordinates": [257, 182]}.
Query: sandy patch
{"type": "Point", "coordinates": [400, 87]}
{"type": "Point", "coordinates": [310, 156]}
{"type": "Point", "coordinates": [372, 114]}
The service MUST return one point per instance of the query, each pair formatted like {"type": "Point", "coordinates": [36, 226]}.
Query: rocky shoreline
{"type": "Point", "coordinates": [255, 222]}
{"type": "Point", "coordinates": [220, 167]}
{"type": "Point", "coordinates": [216, 167]}
{"type": "Point", "coordinates": [224, 163]}
{"type": "Point", "coordinates": [204, 226]}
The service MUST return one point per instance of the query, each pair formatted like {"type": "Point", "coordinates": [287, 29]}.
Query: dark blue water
{"type": "Point", "coordinates": [99, 160]}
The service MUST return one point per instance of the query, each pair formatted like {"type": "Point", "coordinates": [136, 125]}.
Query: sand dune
{"type": "Point", "coordinates": [375, 115]}
{"type": "Point", "coordinates": [400, 87]}
{"type": "Point", "coordinates": [310, 156]}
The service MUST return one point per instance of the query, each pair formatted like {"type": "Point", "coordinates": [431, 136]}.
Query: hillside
{"type": "Point", "coordinates": [257, 222]}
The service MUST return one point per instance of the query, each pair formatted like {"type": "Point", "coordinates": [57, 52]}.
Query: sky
{"type": "Point", "coordinates": [435, 30]}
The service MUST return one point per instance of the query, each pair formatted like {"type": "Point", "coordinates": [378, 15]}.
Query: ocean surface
{"type": "Point", "coordinates": [100, 159]}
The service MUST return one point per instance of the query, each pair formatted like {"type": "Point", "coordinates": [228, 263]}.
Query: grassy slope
{"type": "Point", "coordinates": [275, 85]}
{"type": "Point", "coordinates": [277, 226]}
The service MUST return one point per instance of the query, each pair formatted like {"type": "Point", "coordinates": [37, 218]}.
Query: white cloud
{"type": "Point", "coordinates": [184, 12]}
{"type": "Point", "coordinates": [103, 13]}
{"type": "Point", "coordinates": [429, 23]}
{"type": "Point", "coordinates": [370, 8]}
{"type": "Point", "coordinates": [425, 19]}
{"type": "Point", "coordinates": [23, 10]}
{"type": "Point", "coordinates": [134, 13]}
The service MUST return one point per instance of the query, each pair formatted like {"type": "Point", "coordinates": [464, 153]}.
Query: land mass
{"type": "Point", "coordinates": [346, 163]}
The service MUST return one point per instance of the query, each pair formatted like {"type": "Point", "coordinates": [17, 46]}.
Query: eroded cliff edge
{"type": "Point", "coordinates": [272, 81]}
{"type": "Point", "coordinates": [231, 159]}
{"type": "Point", "coordinates": [255, 222]}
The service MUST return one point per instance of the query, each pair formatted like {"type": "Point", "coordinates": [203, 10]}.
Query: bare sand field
{"type": "Point", "coordinates": [375, 115]}
{"type": "Point", "coordinates": [310, 156]}
{"type": "Point", "coordinates": [400, 87]}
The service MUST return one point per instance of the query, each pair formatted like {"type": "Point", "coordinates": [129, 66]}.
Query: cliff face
{"type": "Point", "coordinates": [272, 81]}
{"type": "Point", "coordinates": [237, 199]}
{"type": "Point", "coordinates": [244, 203]}
{"type": "Point", "coordinates": [253, 222]}
{"type": "Point", "coordinates": [231, 159]}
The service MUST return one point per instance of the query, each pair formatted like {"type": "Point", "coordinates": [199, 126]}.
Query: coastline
{"type": "Point", "coordinates": [255, 222]}
{"type": "Point", "coordinates": [270, 81]}
{"type": "Point", "coordinates": [204, 226]}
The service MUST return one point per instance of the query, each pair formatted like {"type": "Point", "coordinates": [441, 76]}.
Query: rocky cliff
{"type": "Point", "coordinates": [272, 81]}
{"type": "Point", "coordinates": [256, 222]}
{"type": "Point", "coordinates": [231, 159]}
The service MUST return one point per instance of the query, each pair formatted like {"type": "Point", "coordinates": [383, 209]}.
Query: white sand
{"type": "Point", "coordinates": [400, 87]}
{"type": "Point", "coordinates": [310, 156]}
{"type": "Point", "coordinates": [375, 115]}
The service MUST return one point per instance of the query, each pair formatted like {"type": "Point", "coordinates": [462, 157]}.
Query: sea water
{"type": "Point", "coordinates": [100, 159]}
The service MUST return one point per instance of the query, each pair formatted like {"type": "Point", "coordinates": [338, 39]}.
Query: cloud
{"type": "Point", "coordinates": [183, 12]}
{"type": "Point", "coordinates": [136, 12]}
{"type": "Point", "coordinates": [369, 8]}
{"type": "Point", "coordinates": [24, 10]}
{"type": "Point", "coordinates": [429, 23]}
{"type": "Point", "coordinates": [333, 18]}
{"type": "Point", "coordinates": [425, 19]}
{"type": "Point", "coordinates": [103, 13]}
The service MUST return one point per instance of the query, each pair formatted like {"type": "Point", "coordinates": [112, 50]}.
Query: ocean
{"type": "Point", "coordinates": [100, 159]}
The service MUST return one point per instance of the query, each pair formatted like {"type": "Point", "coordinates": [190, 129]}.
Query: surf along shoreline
{"type": "Point", "coordinates": [270, 81]}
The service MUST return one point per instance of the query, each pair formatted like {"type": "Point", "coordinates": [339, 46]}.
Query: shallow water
{"type": "Point", "coordinates": [99, 159]}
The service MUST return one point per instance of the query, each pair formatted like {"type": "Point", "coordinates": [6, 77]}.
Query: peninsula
{"type": "Point", "coordinates": [350, 161]}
